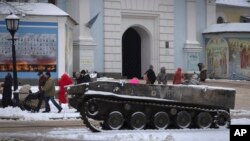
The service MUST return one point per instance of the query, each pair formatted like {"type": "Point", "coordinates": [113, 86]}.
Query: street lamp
{"type": "Point", "coordinates": [12, 23]}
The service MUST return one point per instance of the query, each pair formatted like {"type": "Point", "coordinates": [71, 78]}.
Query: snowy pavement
{"type": "Point", "coordinates": [82, 133]}
{"type": "Point", "coordinates": [129, 135]}
{"type": "Point", "coordinates": [10, 113]}
{"type": "Point", "coordinates": [221, 134]}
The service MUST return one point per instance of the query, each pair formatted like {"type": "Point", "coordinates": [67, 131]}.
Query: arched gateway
{"type": "Point", "coordinates": [135, 52]}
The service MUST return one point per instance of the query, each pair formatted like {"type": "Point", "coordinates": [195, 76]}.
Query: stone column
{"type": "Point", "coordinates": [61, 46]}
{"type": "Point", "coordinates": [192, 47]}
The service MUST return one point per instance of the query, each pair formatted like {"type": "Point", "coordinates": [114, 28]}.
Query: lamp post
{"type": "Point", "coordinates": [12, 23]}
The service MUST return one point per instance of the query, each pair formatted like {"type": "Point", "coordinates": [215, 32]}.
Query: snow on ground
{"type": "Point", "coordinates": [221, 134]}
{"type": "Point", "coordinates": [17, 114]}
{"type": "Point", "coordinates": [82, 133]}
{"type": "Point", "coordinates": [240, 113]}
{"type": "Point", "coordinates": [143, 135]}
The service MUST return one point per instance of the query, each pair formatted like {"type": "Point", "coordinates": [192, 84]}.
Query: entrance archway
{"type": "Point", "coordinates": [136, 51]}
{"type": "Point", "coordinates": [131, 54]}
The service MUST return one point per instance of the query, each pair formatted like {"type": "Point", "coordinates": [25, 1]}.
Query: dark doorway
{"type": "Point", "coordinates": [131, 54]}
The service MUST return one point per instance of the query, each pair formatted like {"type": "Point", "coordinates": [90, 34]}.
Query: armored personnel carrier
{"type": "Point", "coordinates": [106, 105]}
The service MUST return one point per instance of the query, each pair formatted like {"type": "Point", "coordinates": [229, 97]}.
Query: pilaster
{"type": "Point", "coordinates": [192, 48]}
{"type": "Point", "coordinates": [84, 44]}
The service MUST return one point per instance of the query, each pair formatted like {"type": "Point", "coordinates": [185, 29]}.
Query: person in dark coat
{"type": "Point", "coordinates": [203, 72]}
{"type": "Point", "coordinates": [7, 91]}
{"type": "Point", "coordinates": [178, 77]}
{"type": "Point", "coordinates": [150, 76]}
{"type": "Point", "coordinates": [78, 78]}
{"type": "Point", "coordinates": [85, 76]}
{"type": "Point", "coordinates": [41, 83]}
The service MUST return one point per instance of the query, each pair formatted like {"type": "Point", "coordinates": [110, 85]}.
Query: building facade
{"type": "Point", "coordinates": [128, 36]}
{"type": "Point", "coordinates": [121, 38]}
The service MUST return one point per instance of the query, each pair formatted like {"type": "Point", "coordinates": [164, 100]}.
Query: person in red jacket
{"type": "Point", "coordinates": [178, 77]}
{"type": "Point", "coordinates": [63, 81]}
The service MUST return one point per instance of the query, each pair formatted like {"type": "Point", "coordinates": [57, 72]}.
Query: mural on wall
{"type": "Point", "coordinates": [217, 54]}
{"type": "Point", "coordinates": [36, 48]}
{"type": "Point", "coordinates": [239, 57]}
{"type": "Point", "coordinates": [228, 57]}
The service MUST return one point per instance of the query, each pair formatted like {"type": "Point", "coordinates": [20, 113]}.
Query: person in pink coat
{"type": "Point", "coordinates": [63, 81]}
{"type": "Point", "coordinates": [134, 80]}
{"type": "Point", "coordinates": [178, 77]}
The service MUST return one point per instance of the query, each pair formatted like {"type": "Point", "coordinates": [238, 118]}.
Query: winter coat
{"type": "Point", "coordinates": [7, 91]}
{"type": "Point", "coordinates": [78, 78]}
{"type": "Point", "coordinates": [85, 78]}
{"type": "Point", "coordinates": [151, 77]}
{"type": "Point", "coordinates": [41, 82]}
{"type": "Point", "coordinates": [162, 76]}
{"type": "Point", "coordinates": [49, 88]}
{"type": "Point", "coordinates": [64, 81]}
{"type": "Point", "coordinates": [178, 77]}
{"type": "Point", "coordinates": [203, 72]}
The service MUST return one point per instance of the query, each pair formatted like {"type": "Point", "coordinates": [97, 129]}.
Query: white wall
{"type": "Point", "coordinates": [157, 18]}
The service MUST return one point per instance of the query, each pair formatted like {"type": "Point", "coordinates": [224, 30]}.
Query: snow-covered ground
{"type": "Point", "coordinates": [82, 133]}
{"type": "Point", "coordinates": [140, 135]}
{"type": "Point", "coordinates": [10, 113]}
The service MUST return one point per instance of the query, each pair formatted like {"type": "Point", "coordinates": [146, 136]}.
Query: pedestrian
{"type": "Point", "coordinates": [162, 76]}
{"type": "Point", "coordinates": [203, 72]}
{"type": "Point", "coordinates": [7, 91]}
{"type": "Point", "coordinates": [85, 76]}
{"type": "Point", "coordinates": [178, 77]}
{"type": "Point", "coordinates": [49, 92]}
{"type": "Point", "coordinates": [41, 83]}
{"type": "Point", "coordinates": [63, 81]}
{"type": "Point", "coordinates": [150, 76]}
{"type": "Point", "coordinates": [134, 80]}
{"type": "Point", "coordinates": [78, 78]}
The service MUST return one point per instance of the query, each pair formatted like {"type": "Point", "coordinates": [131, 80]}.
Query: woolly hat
{"type": "Point", "coordinates": [48, 73]}
{"type": "Point", "coordinates": [83, 72]}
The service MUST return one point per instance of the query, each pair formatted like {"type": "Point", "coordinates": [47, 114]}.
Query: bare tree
{"type": "Point", "coordinates": [16, 8]}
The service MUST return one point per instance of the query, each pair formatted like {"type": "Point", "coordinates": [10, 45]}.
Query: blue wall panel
{"type": "Point", "coordinates": [179, 31]}
{"type": "Point", "coordinates": [97, 33]}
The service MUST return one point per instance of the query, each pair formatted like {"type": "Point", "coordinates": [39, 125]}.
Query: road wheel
{"type": "Point", "coordinates": [161, 120]}
{"type": "Point", "coordinates": [138, 120]}
{"type": "Point", "coordinates": [115, 120]}
{"type": "Point", "coordinates": [93, 108]}
{"type": "Point", "coordinates": [183, 119]}
{"type": "Point", "coordinates": [204, 120]}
